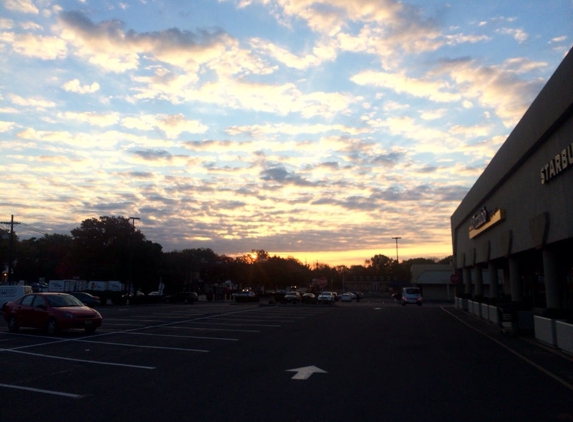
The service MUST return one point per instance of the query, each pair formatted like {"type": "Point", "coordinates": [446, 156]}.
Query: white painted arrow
{"type": "Point", "coordinates": [305, 372]}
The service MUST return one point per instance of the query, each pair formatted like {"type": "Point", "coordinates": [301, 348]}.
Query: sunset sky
{"type": "Point", "coordinates": [318, 129]}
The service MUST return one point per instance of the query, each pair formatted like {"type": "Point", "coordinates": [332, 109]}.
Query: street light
{"type": "Point", "coordinates": [129, 284]}
{"type": "Point", "coordinates": [396, 238]}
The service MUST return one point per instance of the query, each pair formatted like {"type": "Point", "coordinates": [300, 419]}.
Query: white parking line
{"type": "Point", "coordinates": [228, 323]}
{"type": "Point", "coordinates": [38, 390]}
{"type": "Point", "coordinates": [115, 324]}
{"type": "Point", "coordinates": [273, 316]}
{"type": "Point", "coordinates": [128, 319]}
{"type": "Point", "coordinates": [180, 327]}
{"type": "Point", "coordinates": [253, 319]}
{"type": "Point", "coordinates": [96, 362]}
{"type": "Point", "coordinates": [142, 347]}
{"type": "Point", "coordinates": [177, 336]}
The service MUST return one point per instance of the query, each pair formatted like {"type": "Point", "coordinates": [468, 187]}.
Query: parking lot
{"type": "Point", "coordinates": [142, 338]}
{"type": "Point", "coordinates": [226, 361]}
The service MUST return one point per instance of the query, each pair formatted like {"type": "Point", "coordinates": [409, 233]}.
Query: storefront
{"type": "Point", "coordinates": [516, 223]}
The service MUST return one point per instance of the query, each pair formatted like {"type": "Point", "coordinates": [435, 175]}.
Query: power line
{"type": "Point", "coordinates": [24, 226]}
{"type": "Point", "coordinates": [33, 229]}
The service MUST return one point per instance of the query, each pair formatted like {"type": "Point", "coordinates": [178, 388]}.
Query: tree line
{"type": "Point", "coordinates": [112, 248]}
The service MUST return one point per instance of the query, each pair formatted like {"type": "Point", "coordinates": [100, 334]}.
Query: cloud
{"type": "Point", "coordinates": [153, 155]}
{"type": "Point", "coordinates": [290, 129]}
{"type": "Point", "coordinates": [110, 46]}
{"type": "Point", "coordinates": [33, 102]}
{"type": "Point", "coordinates": [6, 23]}
{"type": "Point", "coordinates": [75, 86]}
{"type": "Point", "coordinates": [42, 47]}
{"type": "Point", "coordinates": [172, 125]}
{"type": "Point", "coordinates": [518, 34]}
{"type": "Point", "coordinates": [497, 87]}
{"type": "Point", "coordinates": [388, 160]}
{"type": "Point", "coordinates": [95, 119]}
{"type": "Point", "coordinates": [434, 90]}
{"type": "Point", "coordinates": [282, 176]}
{"type": "Point", "coordinates": [324, 50]}
{"type": "Point", "coordinates": [6, 126]}
{"type": "Point", "coordinates": [22, 6]}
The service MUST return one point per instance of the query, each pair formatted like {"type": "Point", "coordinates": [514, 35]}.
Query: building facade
{"type": "Point", "coordinates": [516, 222]}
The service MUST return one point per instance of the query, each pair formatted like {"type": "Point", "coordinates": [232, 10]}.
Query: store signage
{"type": "Point", "coordinates": [484, 219]}
{"type": "Point", "coordinates": [479, 219]}
{"type": "Point", "coordinates": [557, 165]}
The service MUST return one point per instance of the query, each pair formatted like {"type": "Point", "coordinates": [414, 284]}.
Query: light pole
{"type": "Point", "coordinates": [396, 238]}
{"type": "Point", "coordinates": [129, 284]}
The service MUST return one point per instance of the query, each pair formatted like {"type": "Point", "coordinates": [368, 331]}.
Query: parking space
{"type": "Point", "coordinates": [134, 339]}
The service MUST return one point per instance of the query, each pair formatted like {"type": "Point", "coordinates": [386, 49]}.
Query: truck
{"type": "Point", "coordinates": [11, 293]}
{"type": "Point", "coordinates": [67, 285]}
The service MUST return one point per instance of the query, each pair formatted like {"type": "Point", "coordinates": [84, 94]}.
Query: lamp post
{"type": "Point", "coordinates": [396, 238]}
{"type": "Point", "coordinates": [129, 283]}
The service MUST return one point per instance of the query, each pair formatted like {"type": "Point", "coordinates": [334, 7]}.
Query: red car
{"type": "Point", "coordinates": [52, 312]}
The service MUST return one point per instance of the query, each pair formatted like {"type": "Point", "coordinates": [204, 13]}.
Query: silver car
{"type": "Point", "coordinates": [326, 297]}
{"type": "Point", "coordinates": [411, 295]}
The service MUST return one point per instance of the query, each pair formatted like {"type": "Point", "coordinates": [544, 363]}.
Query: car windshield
{"type": "Point", "coordinates": [62, 301]}
{"type": "Point", "coordinates": [413, 291]}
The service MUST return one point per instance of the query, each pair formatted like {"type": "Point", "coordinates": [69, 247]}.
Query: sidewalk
{"type": "Point", "coordinates": [552, 362]}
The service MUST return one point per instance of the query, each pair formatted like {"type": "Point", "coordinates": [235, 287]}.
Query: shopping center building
{"type": "Point", "coordinates": [516, 222]}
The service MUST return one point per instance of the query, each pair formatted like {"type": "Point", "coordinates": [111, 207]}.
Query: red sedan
{"type": "Point", "coordinates": [52, 312]}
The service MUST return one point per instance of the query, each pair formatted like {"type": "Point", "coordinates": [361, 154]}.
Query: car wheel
{"type": "Point", "coordinates": [52, 326]}
{"type": "Point", "coordinates": [90, 330]}
{"type": "Point", "coordinates": [13, 325]}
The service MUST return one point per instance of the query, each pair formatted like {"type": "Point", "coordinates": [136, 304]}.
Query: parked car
{"type": "Point", "coordinates": [51, 312]}
{"type": "Point", "coordinates": [308, 298]}
{"type": "Point", "coordinates": [182, 297]}
{"type": "Point", "coordinates": [246, 295]}
{"type": "Point", "coordinates": [87, 299]}
{"type": "Point", "coordinates": [326, 298]}
{"type": "Point", "coordinates": [346, 297]}
{"type": "Point", "coordinates": [292, 297]}
{"type": "Point", "coordinates": [411, 295]}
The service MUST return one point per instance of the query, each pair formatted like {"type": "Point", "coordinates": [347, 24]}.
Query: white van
{"type": "Point", "coordinates": [10, 293]}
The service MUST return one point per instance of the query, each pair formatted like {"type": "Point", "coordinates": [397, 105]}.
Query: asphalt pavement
{"type": "Point", "coordinates": [367, 361]}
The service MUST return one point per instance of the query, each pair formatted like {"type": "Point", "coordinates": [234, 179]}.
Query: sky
{"type": "Point", "coordinates": [315, 129]}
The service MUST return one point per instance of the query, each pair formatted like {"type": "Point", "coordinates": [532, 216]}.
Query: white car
{"type": "Point", "coordinates": [325, 297]}
{"type": "Point", "coordinates": [346, 297]}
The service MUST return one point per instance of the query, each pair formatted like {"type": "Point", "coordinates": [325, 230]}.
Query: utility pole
{"type": "Point", "coordinates": [10, 247]}
{"type": "Point", "coordinates": [396, 238]}
{"type": "Point", "coordinates": [129, 282]}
